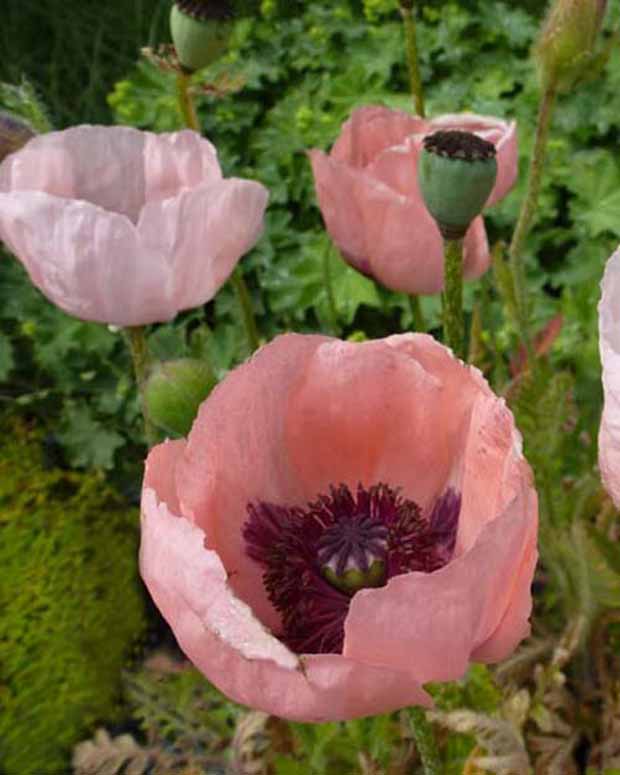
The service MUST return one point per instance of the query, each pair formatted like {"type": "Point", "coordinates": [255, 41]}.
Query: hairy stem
{"type": "Point", "coordinates": [247, 312]}
{"type": "Point", "coordinates": [141, 360]}
{"type": "Point", "coordinates": [528, 210]}
{"type": "Point", "coordinates": [419, 324]}
{"type": "Point", "coordinates": [329, 289]}
{"type": "Point", "coordinates": [185, 102]}
{"type": "Point", "coordinates": [452, 297]}
{"type": "Point", "coordinates": [425, 742]}
{"type": "Point", "coordinates": [406, 10]}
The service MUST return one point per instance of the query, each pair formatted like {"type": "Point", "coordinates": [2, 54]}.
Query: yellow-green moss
{"type": "Point", "coordinates": [70, 601]}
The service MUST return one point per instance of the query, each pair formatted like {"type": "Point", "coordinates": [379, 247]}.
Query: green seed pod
{"type": "Point", "coordinates": [456, 173]}
{"type": "Point", "coordinates": [14, 133]}
{"type": "Point", "coordinates": [354, 579]}
{"type": "Point", "coordinates": [174, 391]}
{"type": "Point", "coordinates": [200, 31]}
{"type": "Point", "coordinates": [567, 41]}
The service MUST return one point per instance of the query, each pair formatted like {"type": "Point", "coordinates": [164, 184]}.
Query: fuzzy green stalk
{"type": "Point", "coordinates": [186, 103]}
{"type": "Point", "coordinates": [188, 111]}
{"type": "Point", "coordinates": [425, 742]}
{"type": "Point", "coordinates": [452, 297]}
{"type": "Point", "coordinates": [417, 316]}
{"type": "Point", "coordinates": [406, 10]}
{"type": "Point", "coordinates": [329, 288]}
{"type": "Point", "coordinates": [141, 361]}
{"type": "Point", "coordinates": [247, 312]}
{"type": "Point", "coordinates": [528, 210]}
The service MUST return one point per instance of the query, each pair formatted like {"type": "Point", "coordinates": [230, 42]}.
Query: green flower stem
{"type": "Point", "coordinates": [186, 104]}
{"type": "Point", "coordinates": [425, 742]}
{"type": "Point", "coordinates": [406, 10]}
{"type": "Point", "coordinates": [452, 297]}
{"type": "Point", "coordinates": [329, 288]}
{"type": "Point", "coordinates": [188, 111]}
{"type": "Point", "coordinates": [419, 324]}
{"type": "Point", "coordinates": [141, 360]}
{"type": "Point", "coordinates": [245, 303]}
{"type": "Point", "coordinates": [528, 210]}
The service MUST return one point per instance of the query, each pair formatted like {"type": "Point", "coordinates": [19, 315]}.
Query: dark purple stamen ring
{"type": "Point", "coordinates": [316, 558]}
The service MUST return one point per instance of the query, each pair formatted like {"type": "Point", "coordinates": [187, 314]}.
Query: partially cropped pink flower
{"type": "Point", "coordinates": [609, 342]}
{"type": "Point", "coordinates": [344, 523]}
{"type": "Point", "coordinates": [126, 227]}
{"type": "Point", "coordinates": [369, 196]}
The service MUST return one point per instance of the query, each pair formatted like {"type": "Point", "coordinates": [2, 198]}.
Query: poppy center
{"type": "Point", "coordinates": [457, 144]}
{"type": "Point", "coordinates": [316, 558]}
{"type": "Point", "coordinates": [351, 553]}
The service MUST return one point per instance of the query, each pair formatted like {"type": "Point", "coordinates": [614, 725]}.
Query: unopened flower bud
{"type": "Point", "coordinates": [200, 31]}
{"type": "Point", "coordinates": [174, 391]}
{"type": "Point", "coordinates": [567, 41]}
{"type": "Point", "coordinates": [456, 172]}
{"type": "Point", "coordinates": [14, 133]}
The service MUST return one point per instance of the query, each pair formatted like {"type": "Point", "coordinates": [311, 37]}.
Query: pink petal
{"type": "Point", "coordinates": [433, 623]}
{"type": "Point", "coordinates": [493, 468]}
{"type": "Point", "coordinates": [236, 454]}
{"type": "Point", "coordinates": [353, 417]}
{"type": "Point", "coordinates": [609, 342]}
{"type": "Point", "coordinates": [514, 625]}
{"type": "Point", "coordinates": [380, 232]}
{"type": "Point", "coordinates": [385, 229]}
{"type": "Point", "coordinates": [219, 633]}
{"type": "Point", "coordinates": [115, 168]}
{"type": "Point", "coordinates": [174, 161]}
{"type": "Point", "coordinates": [502, 134]}
{"type": "Point", "coordinates": [204, 231]}
{"type": "Point", "coordinates": [87, 261]}
{"type": "Point", "coordinates": [476, 253]}
{"type": "Point", "coordinates": [100, 165]}
{"type": "Point", "coordinates": [370, 130]}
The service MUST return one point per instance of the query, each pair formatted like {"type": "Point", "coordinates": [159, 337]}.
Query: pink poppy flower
{"type": "Point", "coordinates": [369, 196]}
{"type": "Point", "coordinates": [609, 342]}
{"type": "Point", "coordinates": [344, 523]}
{"type": "Point", "coordinates": [126, 227]}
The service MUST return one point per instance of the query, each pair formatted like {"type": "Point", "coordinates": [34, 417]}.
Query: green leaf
{"type": "Point", "coordinates": [7, 360]}
{"type": "Point", "coordinates": [87, 441]}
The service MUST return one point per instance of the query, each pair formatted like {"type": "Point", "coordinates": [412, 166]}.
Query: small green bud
{"type": "Point", "coordinates": [354, 579]}
{"type": "Point", "coordinates": [174, 392]}
{"type": "Point", "coordinates": [567, 41]}
{"type": "Point", "coordinates": [14, 133]}
{"type": "Point", "coordinates": [456, 173]}
{"type": "Point", "coordinates": [200, 31]}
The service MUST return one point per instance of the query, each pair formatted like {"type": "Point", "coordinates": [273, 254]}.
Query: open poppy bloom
{"type": "Point", "coordinates": [344, 523]}
{"type": "Point", "coordinates": [609, 342]}
{"type": "Point", "coordinates": [126, 227]}
{"type": "Point", "coordinates": [368, 192]}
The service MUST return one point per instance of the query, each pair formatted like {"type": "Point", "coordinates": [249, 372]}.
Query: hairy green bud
{"type": "Point", "coordinates": [174, 391]}
{"type": "Point", "coordinates": [567, 41]}
{"type": "Point", "coordinates": [456, 172]}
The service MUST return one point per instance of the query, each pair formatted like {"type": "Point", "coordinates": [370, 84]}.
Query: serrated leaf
{"type": "Point", "coordinates": [87, 441]}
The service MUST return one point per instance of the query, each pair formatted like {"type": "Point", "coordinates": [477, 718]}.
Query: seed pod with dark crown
{"type": "Point", "coordinates": [567, 41]}
{"type": "Point", "coordinates": [200, 30]}
{"type": "Point", "coordinates": [456, 172]}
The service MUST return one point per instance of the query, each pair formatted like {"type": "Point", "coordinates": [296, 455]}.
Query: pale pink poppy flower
{"type": "Point", "coordinates": [609, 342]}
{"type": "Point", "coordinates": [345, 523]}
{"type": "Point", "coordinates": [368, 192]}
{"type": "Point", "coordinates": [126, 227]}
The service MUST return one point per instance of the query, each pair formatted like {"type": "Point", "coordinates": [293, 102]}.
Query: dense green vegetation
{"type": "Point", "coordinates": [293, 74]}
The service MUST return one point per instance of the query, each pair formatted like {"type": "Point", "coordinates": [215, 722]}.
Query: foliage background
{"type": "Point", "coordinates": [303, 68]}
